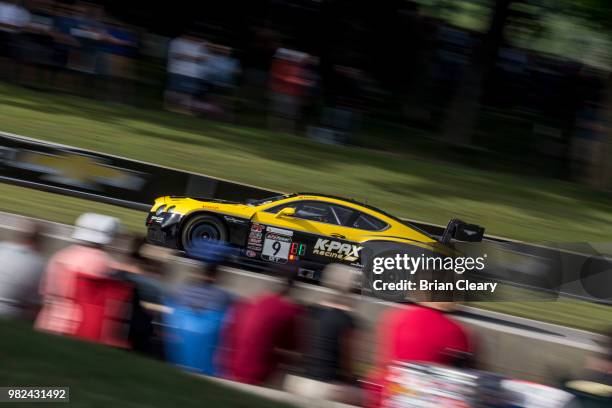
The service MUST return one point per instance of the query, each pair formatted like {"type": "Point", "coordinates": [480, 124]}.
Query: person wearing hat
{"type": "Point", "coordinates": [89, 256]}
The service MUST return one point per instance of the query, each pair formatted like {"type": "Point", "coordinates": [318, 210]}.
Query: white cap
{"type": "Point", "coordinates": [96, 228]}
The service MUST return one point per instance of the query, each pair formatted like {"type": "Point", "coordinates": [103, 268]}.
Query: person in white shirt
{"type": "Point", "coordinates": [220, 77]}
{"type": "Point", "coordinates": [13, 17]}
{"type": "Point", "coordinates": [224, 69]}
{"type": "Point", "coordinates": [20, 274]}
{"type": "Point", "coordinates": [186, 54]}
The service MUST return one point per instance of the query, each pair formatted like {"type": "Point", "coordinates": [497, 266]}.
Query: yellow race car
{"type": "Point", "coordinates": [312, 229]}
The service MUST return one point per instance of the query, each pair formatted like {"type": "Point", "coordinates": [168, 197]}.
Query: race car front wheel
{"type": "Point", "coordinates": [203, 227]}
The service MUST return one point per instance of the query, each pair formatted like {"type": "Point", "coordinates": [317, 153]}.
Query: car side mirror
{"type": "Point", "coordinates": [469, 233]}
{"type": "Point", "coordinates": [286, 212]}
{"type": "Point", "coordinates": [461, 231]}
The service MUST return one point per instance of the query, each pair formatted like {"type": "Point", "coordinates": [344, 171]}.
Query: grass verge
{"type": "Point", "coordinates": [100, 376]}
{"type": "Point", "coordinates": [62, 208]}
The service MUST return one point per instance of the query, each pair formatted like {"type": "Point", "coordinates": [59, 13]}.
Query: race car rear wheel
{"type": "Point", "coordinates": [205, 227]}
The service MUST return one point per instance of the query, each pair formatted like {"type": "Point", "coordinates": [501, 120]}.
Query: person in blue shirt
{"type": "Point", "coordinates": [199, 310]}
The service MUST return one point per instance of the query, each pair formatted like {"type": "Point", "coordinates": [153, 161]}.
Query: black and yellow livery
{"type": "Point", "coordinates": [313, 229]}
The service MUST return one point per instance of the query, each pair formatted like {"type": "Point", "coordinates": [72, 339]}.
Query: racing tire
{"type": "Point", "coordinates": [203, 227]}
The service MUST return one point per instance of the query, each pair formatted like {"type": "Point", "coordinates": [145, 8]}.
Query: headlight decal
{"type": "Point", "coordinates": [160, 209]}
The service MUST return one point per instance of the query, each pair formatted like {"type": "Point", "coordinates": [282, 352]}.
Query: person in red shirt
{"type": "Point", "coordinates": [88, 257]}
{"type": "Point", "coordinates": [421, 333]}
{"type": "Point", "coordinates": [259, 331]}
{"type": "Point", "coordinates": [424, 333]}
{"type": "Point", "coordinates": [288, 84]}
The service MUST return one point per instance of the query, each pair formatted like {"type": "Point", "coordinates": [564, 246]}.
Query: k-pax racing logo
{"type": "Point", "coordinates": [337, 250]}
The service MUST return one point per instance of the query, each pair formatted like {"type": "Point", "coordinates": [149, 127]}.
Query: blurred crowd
{"type": "Point", "coordinates": [76, 47]}
{"type": "Point", "coordinates": [70, 47]}
{"type": "Point", "coordinates": [119, 291]}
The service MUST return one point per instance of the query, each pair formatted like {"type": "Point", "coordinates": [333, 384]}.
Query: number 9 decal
{"type": "Point", "coordinates": [276, 246]}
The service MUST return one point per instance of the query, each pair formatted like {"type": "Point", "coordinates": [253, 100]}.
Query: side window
{"type": "Point", "coordinates": [316, 211]}
{"type": "Point", "coordinates": [368, 223]}
{"type": "Point", "coordinates": [279, 207]}
{"type": "Point", "coordinates": [342, 215]}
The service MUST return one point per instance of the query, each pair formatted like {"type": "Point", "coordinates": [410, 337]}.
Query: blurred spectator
{"type": "Point", "coordinates": [211, 251]}
{"type": "Point", "coordinates": [587, 150]}
{"type": "Point", "coordinates": [65, 44]}
{"type": "Point", "coordinates": [89, 257]}
{"type": "Point", "coordinates": [13, 19]}
{"type": "Point", "coordinates": [326, 371]}
{"type": "Point", "coordinates": [346, 92]}
{"type": "Point", "coordinates": [22, 268]}
{"type": "Point", "coordinates": [341, 118]}
{"type": "Point", "coordinates": [186, 54]}
{"type": "Point", "coordinates": [147, 264]}
{"type": "Point", "coordinates": [262, 45]}
{"type": "Point", "coordinates": [593, 388]}
{"type": "Point", "coordinates": [287, 86]}
{"type": "Point", "coordinates": [312, 92]}
{"type": "Point", "coordinates": [103, 309]}
{"type": "Point", "coordinates": [199, 309]}
{"type": "Point", "coordinates": [37, 44]}
{"type": "Point", "coordinates": [84, 60]}
{"type": "Point", "coordinates": [204, 294]}
{"type": "Point", "coordinates": [146, 275]}
{"type": "Point", "coordinates": [222, 71]}
{"type": "Point", "coordinates": [120, 53]}
{"type": "Point", "coordinates": [421, 333]}
{"type": "Point", "coordinates": [223, 68]}
{"type": "Point", "coordinates": [195, 325]}
{"type": "Point", "coordinates": [259, 334]}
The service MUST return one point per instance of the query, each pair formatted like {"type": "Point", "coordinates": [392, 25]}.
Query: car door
{"type": "Point", "coordinates": [314, 234]}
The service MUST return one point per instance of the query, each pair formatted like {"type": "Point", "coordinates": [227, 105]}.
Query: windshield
{"type": "Point", "coordinates": [255, 203]}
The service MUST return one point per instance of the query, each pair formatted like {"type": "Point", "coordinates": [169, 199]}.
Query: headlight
{"type": "Point", "coordinates": [170, 209]}
{"type": "Point", "coordinates": [160, 209]}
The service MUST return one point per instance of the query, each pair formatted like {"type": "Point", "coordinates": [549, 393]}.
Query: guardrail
{"type": "Point", "coordinates": [116, 180]}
